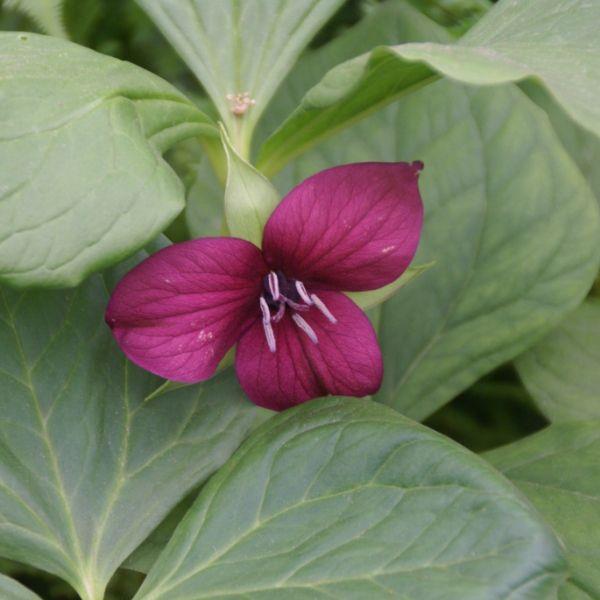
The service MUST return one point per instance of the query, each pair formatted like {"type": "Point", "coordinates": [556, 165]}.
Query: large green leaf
{"type": "Point", "coordinates": [510, 222]}
{"type": "Point", "coordinates": [555, 41]}
{"type": "Point", "coordinates": [513, 228]}
{"type": "Point", "coordinates": [83, 181]}
{"type": "Point", "coordinates": [13, 590]}
{"type": "Point", "coordinates": [240, 46]}
{"type": "Point", "coordinates": [387, 23]}
{"type": "Point", "coordinates": [346, 499]}
{"type": "Point", "coordinates": [92, 453]}
{"type": "Point", "coordinates": [559, 471]}
{"type": "Point", "coordinates": [561, 372]}
{"type": "Point", "coordinates": [351, 90]}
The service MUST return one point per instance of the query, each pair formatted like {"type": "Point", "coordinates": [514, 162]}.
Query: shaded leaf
{"type": "Point", "coordinates": [83, 184]}
{"type": "Point", "coordinates": [345, 498]}
{"type": "Point", "coordinates": [13, 590]}
{"type": "Point", "coordinates": [561, 371]}
{"type": "Point", "coordinates": [145, 555]}
{"type": "Point", "coordinates": [559, 472]}
{"type": "Point", "coordinates": [46, 13]}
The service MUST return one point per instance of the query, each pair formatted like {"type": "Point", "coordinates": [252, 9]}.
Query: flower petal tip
{"type": "Point", "coordinates": [417, 166]}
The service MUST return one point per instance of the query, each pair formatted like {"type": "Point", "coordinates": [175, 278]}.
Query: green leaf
{"type": "Point", "coordinates": [345, 498]}
{"type": "Point", "coordinates": [236, 46]}
{"type": "Point", "coordinates": [250, 198]}
{"type": "Point", "coordinates": [84, 184]}
{"type": "Point", "coordinates": [46, 13]}
{"type": "Point", "coordinates": [570, 591]}
{"type": "Point", "coordinates": [146, 554]}
{"type": "Point", "coordinates": [353, 89]}
{"type": "Point", "coordinates": [13, 590]}
{"type": "Point", "coordinates": [511, 42]}
{"type": "Point", "coordinates": [559, 472]}
{"type": "Point", "coordinates": [561, 371]}
{"type": "Point", "coordinates": [583, 146]}
{"type": "Point", "coordinates": [509, 220]}
{"type": "Point", "coordinates": [203, 215]}
{"type": "Point", "coordinates": [93, 455]}
{"type": "Point", "coordinates": [387, 23]}
{"type": "Point", "coordinates": [514, 229]}
{"type": "Point", "coordinates": [373, 298]}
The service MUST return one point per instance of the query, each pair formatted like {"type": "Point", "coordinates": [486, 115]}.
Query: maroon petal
{"type": "Point", "coordinates": [345, 361]}
{"type": "Point", "coordinates": [178, 312]}
{"type": "Point", "coordinates": [354, 227]}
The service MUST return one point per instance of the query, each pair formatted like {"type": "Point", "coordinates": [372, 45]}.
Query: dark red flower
{"type": "Point", "coordinates": [351, 228]}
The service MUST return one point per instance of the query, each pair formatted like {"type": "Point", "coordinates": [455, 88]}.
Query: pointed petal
{"type": "Point", "coordinates": [178, 312]}
{"type": "Point", "coordinates": [354, 227]}
{"type": "Point", "coordinates": [346, 361]}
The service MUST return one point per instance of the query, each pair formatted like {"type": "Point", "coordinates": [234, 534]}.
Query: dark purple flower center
{"type": "Point", "coordinates": [280, 292]}
{"type": "Point", "coordinates": [287, 288]}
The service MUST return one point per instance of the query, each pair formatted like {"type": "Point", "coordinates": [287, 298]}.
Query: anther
{"type": "Point", "coordinates": [280, 312]}
{"type": "Point", "coordinates": [295, 306]}
{"type": "Point", "coordinates": [270, 335]}
{"type": "Point", "coordinates": [266, 323]}
{"type": "Point", "coordinates": [273, 285]}
{"type": "Point", "coordinates": [264, 307]}
{"type": "Point", "coordinates": [321, 306]}
{"type": "Point", "coordinates": [303, 293]}
{"type": "Point", "coordinates": [308, 330]}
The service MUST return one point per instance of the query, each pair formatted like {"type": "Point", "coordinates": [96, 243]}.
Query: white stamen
{"type": "Point", "coordinates": [303, 293]}
{"type": "Point", "coordinates": [264, 307]}
{"type": "Point", "coordinates": [308, 330]}
{"type": "Point", "coordinates": [280, 312]}
{"type": "Point", "coordinates": [273, 285]}
{"type": "Point", "coordinates": [266, 323]}
{"type": "Point", "coordinates": [294, 305]}
{"type": "Point", "coordinates": [270, 335]}
{"type": "Point", "coordinates": [321, 306]}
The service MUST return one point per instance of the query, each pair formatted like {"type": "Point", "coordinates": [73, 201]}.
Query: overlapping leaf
{"type": "Point", "coordinates": [92, 456]}
{"type": "Point", "coordinates": [238, 46]}
{"type": "Point", "coordinates": [555, 41]}
{"type": "Point", "coordinates": [561, 372]}
{"type": "Point", "coordinates": [558, 470]}
{"type": "Point", "coordinates": [83, 182]}
{"type": "Point", "coordinates": [345, 498]}
{"type": "Point", "coordinates": [583, 146]}
{"type": "Point", "coordinates": [509, 220]}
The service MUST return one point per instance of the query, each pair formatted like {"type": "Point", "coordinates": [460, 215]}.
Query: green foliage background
{"type": "Point", "coordinates": [496, 410]}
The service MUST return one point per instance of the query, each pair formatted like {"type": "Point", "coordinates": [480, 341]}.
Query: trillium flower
{"type": "Point", "coordinates": [354, 227]}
